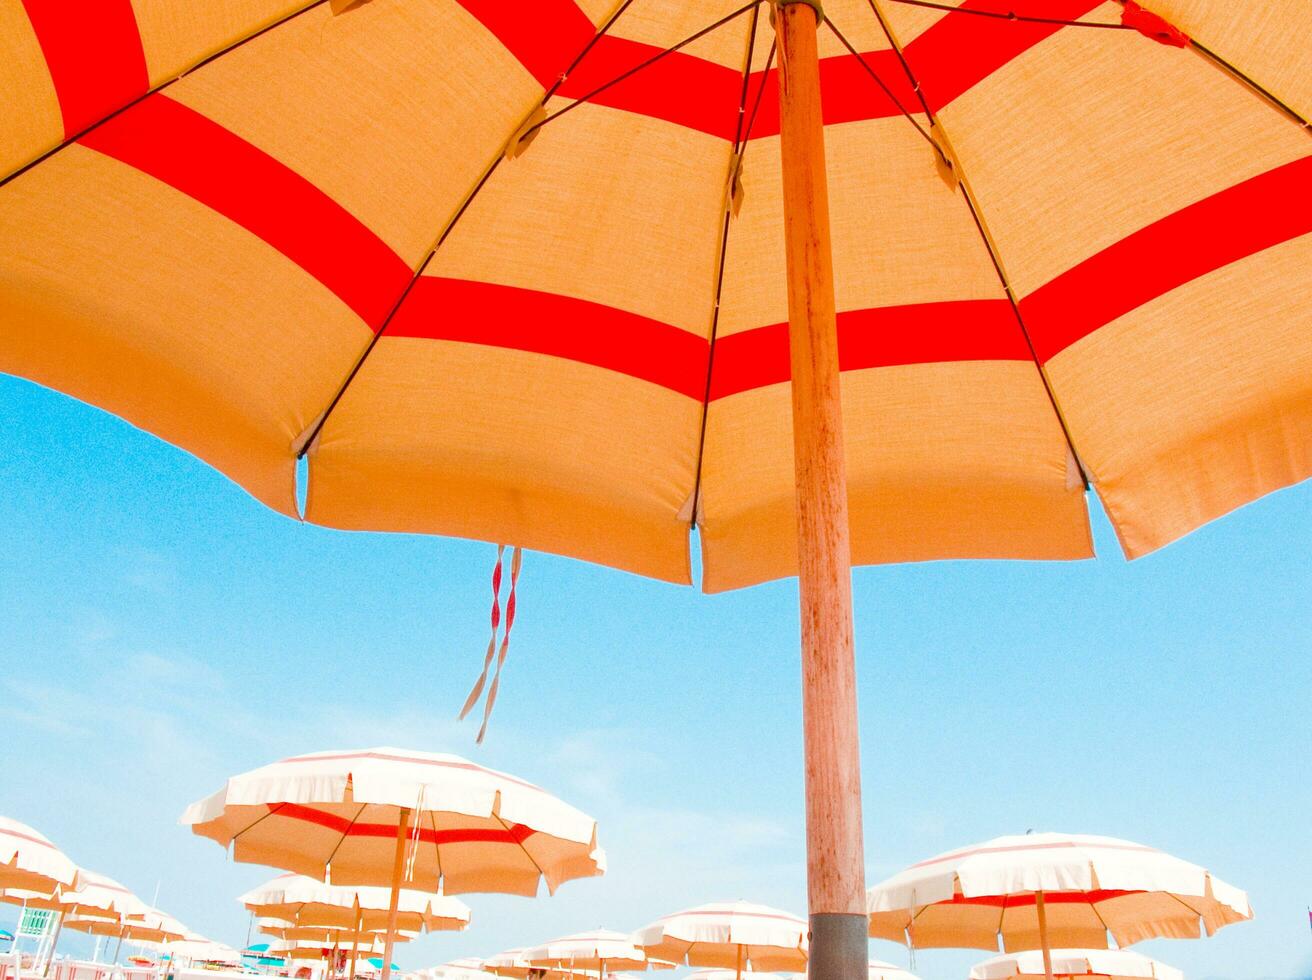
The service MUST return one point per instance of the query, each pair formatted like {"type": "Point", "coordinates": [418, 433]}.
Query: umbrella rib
{"type": "Point", "coordinates": [305, 441]}
{"type": "Point", "coordinates": [432, 818]}
{"type": "Point", "coordinates": [733, 15]}
{"type": "Point", "coordinates": [160, 87]}
{"type": "Point", "coordinates": [506, 827]}
{"type": "Point", "coordinates": [990, 246]}
{"type": "Point", "coordinates": [345, 834]}
{"type": "Point", "coordinates": [829, 22]}
{"type": "Point", "coordinates": [1011, 15]}
{"type": "Point", "coordinates": [257, 820]}
{"type": "Point", "coordinates": [735, 169]}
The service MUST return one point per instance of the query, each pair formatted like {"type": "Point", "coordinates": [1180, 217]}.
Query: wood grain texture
{"type": "Point", "coordinates": [835, 854]}
{"type": "Point", "coordinates": [398, 864]}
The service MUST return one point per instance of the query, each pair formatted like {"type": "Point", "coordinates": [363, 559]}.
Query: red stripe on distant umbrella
{"type": "Point", "coordinates": [94, 55]}
{"type": "Point", "coordinates": [1090, 897]}
{"type": "Point", "coordinates": [1232, 224]}
{"type": "Point", "coordinates": [27, 837]}
{"type": "Point", "coordinates": [514, 834]}
{"type": "Point", "coordinates": [561, 326]}
{"type": "Point", "coordinates": [961, 330]}
{"type": "Point", "coordinates": [200, 158]}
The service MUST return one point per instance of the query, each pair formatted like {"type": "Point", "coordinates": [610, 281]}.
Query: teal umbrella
{"type": "Point", "coordinates": [377, 963]}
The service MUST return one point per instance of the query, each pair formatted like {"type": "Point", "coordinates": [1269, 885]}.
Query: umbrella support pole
{"type": "Point", "coordinates": [54, 944]}
{"type": "Point", "coordinates": [398, 865]}
{"type": "Point", "coordinates": [835, 855]}
{"type": "Point", "coordinates": [1043, 934]}
{"type": "Point", "coordinates": [355, 946]}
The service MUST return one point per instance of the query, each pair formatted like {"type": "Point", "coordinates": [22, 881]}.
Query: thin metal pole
{"type": "Point", "coordinates": [835, 853]}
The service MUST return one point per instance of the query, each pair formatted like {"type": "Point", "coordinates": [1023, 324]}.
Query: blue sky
{"type": "Point", "coordinates": [159, 630]}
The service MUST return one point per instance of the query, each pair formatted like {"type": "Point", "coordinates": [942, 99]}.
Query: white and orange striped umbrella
{"type": "Point", "coordinates": [1037, 891]}
{"type": "Point", "coordinates": [31, 863]}
{"type": "Point", "coordinates": [465, 968]}
{"type": "Point", "coordinates": [339, 815]}
{"type": "Point", "coordinates": [325, 935]}
{"type": "Point", "coordinates": [508, 963]}
{"type": "Point", "coordinates": [96, 897]}
{"type": "Point", "coordinates": [300, 901]}
{"type": "Point", "coordinates": [1076, 964]}
{"type": "Point", "coordinates": [879, 970]}
{"type": "Point", "coordinates": [153, 927]}
{"type": "Point", "coordinates": [599, 950]}
{"type": "Point", "coordinates": [733, 935]}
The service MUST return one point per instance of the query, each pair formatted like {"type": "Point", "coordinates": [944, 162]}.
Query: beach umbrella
{"type": "Point", "coordinates": [325, 934]}
{"type": "Point", "coordinates": [152, 927]}
{"type": "Point", "coordinates": [389, 816]}
{"type": "Point", "coordinates": [1036, 891]}
{"type": "Point", "coordinates": [720, 974]}
{"type": "Point", "coordinates": [597, 950]}
{"type": "Point", "coordinates": [738, 936]}
{"type": "Point", "coordinates": [1073, 964]}
{"type": "Point", "coordinates": [30, 862]}
{"type": "Point", "coordinates": [202, 950]}
{"type": "Point", "coordinates": [465, 968]}
{"type": "Point", "coordinates": [543, 274]}
{"type": "Point", "coordinates": [95, 897]}
{"type": "Point", "coordinates": [879, 970]}
{"type": "Point", "coordinates": [304, 901]}
{"type": "Point", "coordinates": [508, 963]}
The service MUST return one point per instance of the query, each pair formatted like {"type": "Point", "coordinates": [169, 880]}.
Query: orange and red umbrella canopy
{"type": "Point", "coordinates": [289, 226]}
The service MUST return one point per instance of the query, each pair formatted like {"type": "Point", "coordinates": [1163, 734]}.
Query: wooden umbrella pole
{"type": "Point", "coordinates": [835, 855]}
{"type": "Point", "coordinates": [739, 973]}
{"type": "Point", "coordinates": [359, 925]}
{"type": "Point", "coordinates": [398, 865]}
{"type": "Point", "coordinates": [1043, 934]}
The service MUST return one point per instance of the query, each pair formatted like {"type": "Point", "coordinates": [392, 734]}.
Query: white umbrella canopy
{"type": "Point", "coordinates": [597, 950]}
{"type": "Point", "coordinates": [153, 927]}
{"type": "Point", "coordinates": [29, 861]}
{"type": "Point", "coordinates": [466, 968]}
{"type": "Point", "coordinates": [338, 816]}
{"type": "Point", "coordinates": [200, 949]}
{"type": "Point", "coordinates": [298, 900]}
{"type": "Point", "coordinates": [508, 963]}
{"type": "Point", "coordinates": [1077, 888]}
{"type": "Point", "coordinates": [879, 970]}
{"type": "Point", "coordinates": [1075, 964]}
{"type": "Point", "coordinates": [732, 935]}
{"type": "Point", "coordinates": [95, 897]}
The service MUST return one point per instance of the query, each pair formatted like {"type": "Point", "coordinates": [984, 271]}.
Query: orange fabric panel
{"type": "Point", "coordinates": [605, 206]}
{"type": "Point", "coordinates": [953, 460]}
{"type": "Point", "coordinates": [31, 121]}
{"type": "Point", "coordinates": [137, 299]}
{"type": "Point", "coordinates": [901, 235]}
{"type": "Point", "coordinates": [1270, 41]}
{"type": "Point", "coordinates": [1093, 134]}
{"type": "Point", "coordinates": [176, 36]}
{"type": "Point", "coordinates": [458, 439]}
{"type": "Point", "coordinates": [365, 104]}
{"type": "Point", "coordinates": [1198, 401]}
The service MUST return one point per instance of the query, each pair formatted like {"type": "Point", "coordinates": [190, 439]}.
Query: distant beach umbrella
{"type": "Point", "coordinates": [153, 927]}
{"type": "Point", "coordinates": [598, 950]}
{"type": "Point", "coordinates": [388, 816]}
{"type": "Point", "coordinates": [325, 935]}
{"type": "Point", "coordinates": [1075, 964]}
{"type": "Point", "coordinates": [95, 897]}
{"type": "Point", "coordinates": [879, 970]}
{"type": "Point", "coordinates": [465, 968]}
{"type": "Point", "coordinates": [508, 963]}
{"type": "Point", "coordinates": [28, 860]}
{"type": "Point", "coordinates": [304, 901]}
{"type": "Point", "coordinates": [198, 949]}
{"type": "Point", "coordinates": [734, 935]}
{"type": "Point", "coordinates": [1039, 890]}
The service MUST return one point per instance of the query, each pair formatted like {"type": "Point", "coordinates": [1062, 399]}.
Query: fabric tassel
{"type": "Point", "coordinates": [492, 643]}
{"type": "Point", "coordinates": [516, 560]}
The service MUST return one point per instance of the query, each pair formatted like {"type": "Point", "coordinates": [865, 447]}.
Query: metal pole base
{"type": "Point", "coordinates": [839, 948]}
